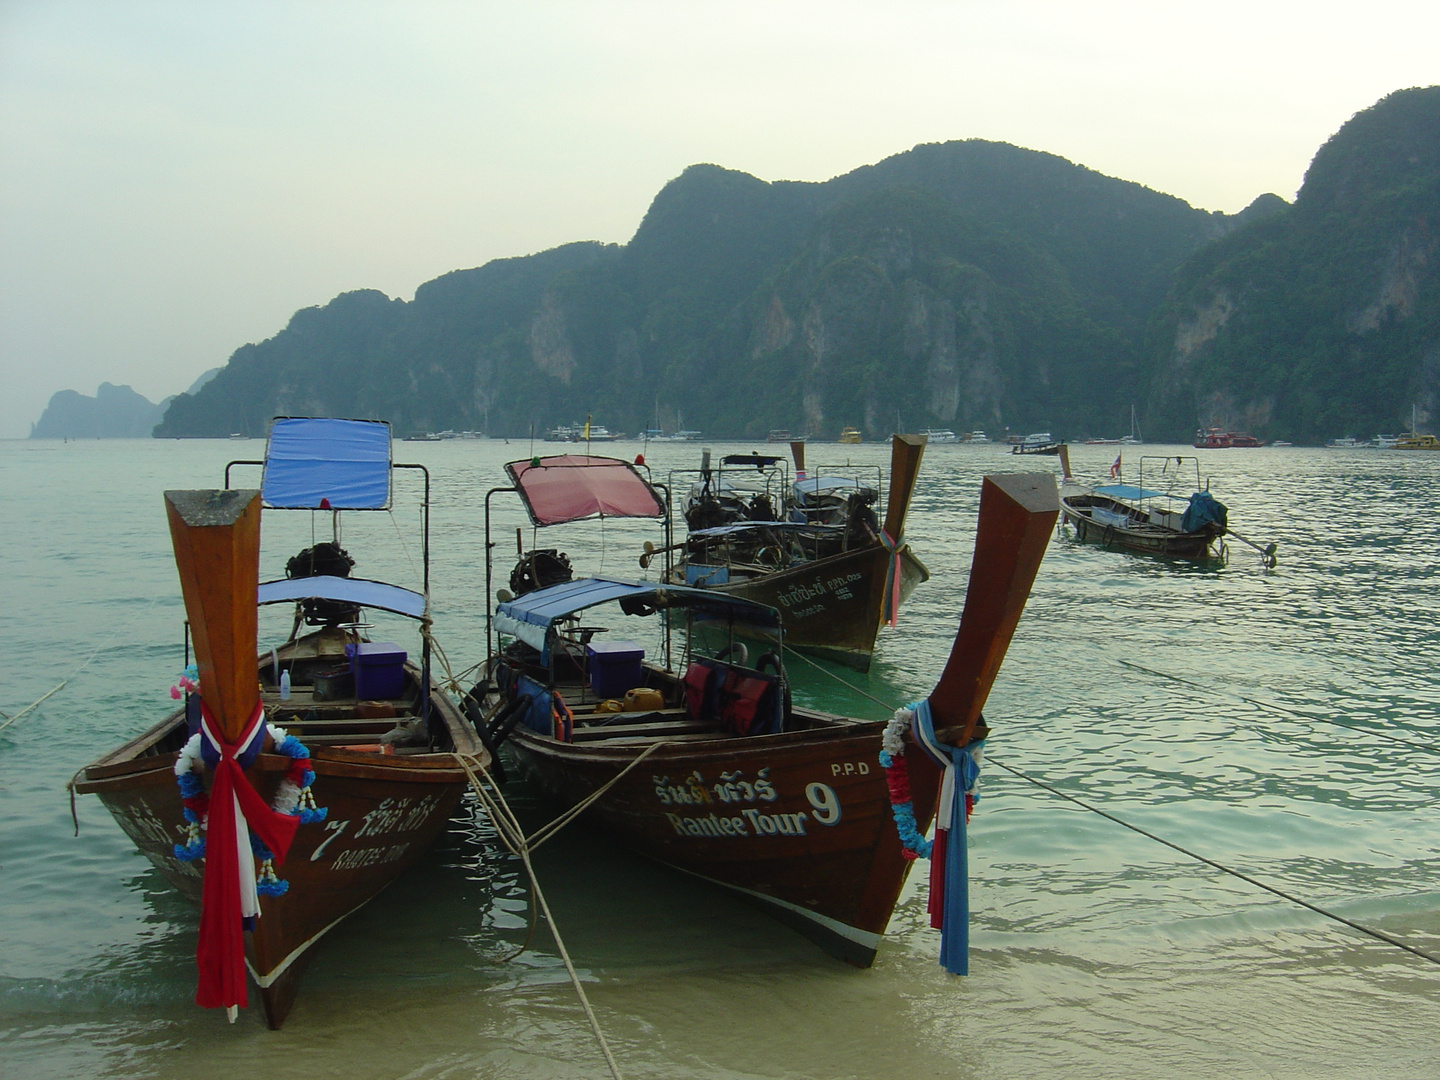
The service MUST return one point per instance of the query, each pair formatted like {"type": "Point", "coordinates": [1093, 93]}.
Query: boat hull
{"type": "Point", "coordinates": [383, 811]}
{"type": "Point", "coordinates": [1133, 532]}
{"type": "Point", "coordinates": [832, 607]}
{"type": "Point", "coordinates": [799, 822]}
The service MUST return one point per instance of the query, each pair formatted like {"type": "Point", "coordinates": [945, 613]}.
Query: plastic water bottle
{"type": "Point", "coordinates": [285, 685]}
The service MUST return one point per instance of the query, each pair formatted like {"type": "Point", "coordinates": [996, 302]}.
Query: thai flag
{"type": "Point", "coordinates": [1115, 467]}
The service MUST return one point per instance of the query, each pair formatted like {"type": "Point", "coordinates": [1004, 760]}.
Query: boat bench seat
{"type": "Point", "coordinates": [1109, 517]}
{"type": "Point", "coordinates": [692, 736]}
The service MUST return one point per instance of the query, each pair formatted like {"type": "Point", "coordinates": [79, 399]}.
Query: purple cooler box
{"type": "Point", "coordinates": [379, 669]}
{"type": "Point", "coordinates": [614, 667]}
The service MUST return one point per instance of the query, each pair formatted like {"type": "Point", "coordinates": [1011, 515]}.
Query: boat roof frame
{"type": "Point", "coordinates": [533, 617]}
{"type": "Point", "coordinates": [661, 491]}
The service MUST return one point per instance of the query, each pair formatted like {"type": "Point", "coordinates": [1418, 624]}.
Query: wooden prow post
{"type": "Point", "coordinates": [1017, 513]}
{"type": "Point", "coordinates": [216, 536]}
{"type": "Point", "coordinates": [1064, 462]}
{"type": "Point", "coordinates": [797, 451]}
{"type": "Point", "coordinates": [905, 454]}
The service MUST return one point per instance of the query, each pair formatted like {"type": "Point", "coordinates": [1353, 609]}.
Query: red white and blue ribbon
{"type": "Point", "coordinates": [890, 612]}
{"type": "Point", "coordinates": [229, 897]}
{"type": "Point", "coordinates": [949, 904]}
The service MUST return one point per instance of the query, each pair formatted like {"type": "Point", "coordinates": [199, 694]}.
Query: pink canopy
{"type": "Point", "coordinates": [571, 487]}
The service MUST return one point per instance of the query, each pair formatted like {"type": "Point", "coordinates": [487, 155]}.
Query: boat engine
{"type": "Point", "coordinates": [323, 560]}
{"type": "Point", "coordinates": [539, 569]}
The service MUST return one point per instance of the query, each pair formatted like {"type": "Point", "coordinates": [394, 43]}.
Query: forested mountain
{"type": "Point", "coordinates": [1322, 319]}
{"type": "Point", "coordinates": [966, 284]}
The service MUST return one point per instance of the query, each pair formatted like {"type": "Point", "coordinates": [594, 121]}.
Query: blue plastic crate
{"type": "Point", "coordinates": [614, 667]}
{"type": "Point", "coordinates": [379, 669]}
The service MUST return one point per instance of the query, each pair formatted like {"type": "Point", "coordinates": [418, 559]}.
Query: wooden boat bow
{"type": "Point", "coordinates": [216, 537]}
{"type": "Point", "coordinates": [1017, 513]}
{"type": "Point", "coordinates": [905, 454]}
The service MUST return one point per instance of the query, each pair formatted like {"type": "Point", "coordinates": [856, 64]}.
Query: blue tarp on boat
{"type": "Point", "coordinates": [1204, 509]}
{"type": "Point", "coordinates": [342, 464]}
{"type": "Point", "coordinates": [531, 616]}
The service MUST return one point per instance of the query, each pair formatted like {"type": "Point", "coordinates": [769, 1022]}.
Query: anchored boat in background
{"type": "Point", "coordinates": [1042, 442]}
{"type": "Point", "coordinates": [355, 726]}
{"type": "Point", "coordinates": [813, 549]}
{"type": "Point", "coordinates": [1220, 439]}
{"type": "Point", "coordinates": [1146, 520]}
{"type": "Point", "coordinates": [704, 763]}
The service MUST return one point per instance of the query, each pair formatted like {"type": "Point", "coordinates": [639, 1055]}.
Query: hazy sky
{"type": "Point", "coordinates": [177, 178]}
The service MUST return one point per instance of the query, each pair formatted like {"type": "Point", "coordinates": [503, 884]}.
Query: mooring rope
{"type": "Point", "coordinates": [108, 644]}
{"type": "Point", "coordinates": [1379, 935]}
{"type": "Point", "coordinates": [842, 681]}
{"type": "Point", "coordinates": [1281, 708]}
{"type": "Point", "coordinates": [508, 826]}
{"type": "Point", "coordinates": [535, 839]}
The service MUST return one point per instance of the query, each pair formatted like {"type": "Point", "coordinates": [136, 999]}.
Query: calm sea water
{"type": "Point", "coordinates": [1095, 952]}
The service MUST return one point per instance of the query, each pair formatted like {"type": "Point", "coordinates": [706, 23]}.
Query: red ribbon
{"type": "Point", "coordinates": [220, 954]}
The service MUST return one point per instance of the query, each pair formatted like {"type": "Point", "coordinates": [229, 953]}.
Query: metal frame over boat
{"type": "Point", "coordinates": [707, 767]}
{"type": "Point", "coordinates": [385, 768]}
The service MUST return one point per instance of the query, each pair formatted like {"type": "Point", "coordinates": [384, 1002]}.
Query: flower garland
{"type": "Point", "coordinates": [897, 779]}
{"type": "Point", "coordinates": [187, 683]}
{"type": "Point", "coordinates": [292, 796]}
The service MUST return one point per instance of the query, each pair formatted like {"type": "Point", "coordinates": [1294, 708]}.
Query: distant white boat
{"type": "Point", "coordinates": [940, 435]}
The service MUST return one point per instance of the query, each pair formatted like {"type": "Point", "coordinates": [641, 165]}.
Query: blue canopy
{"type": "Point", "coordinates": [530, 617]}
{"type": "Point", "coordinates": [358, 591]}
{"type": "Point", "coordinates": [1130, 491]}
{"type": "Point", "coordinates": [319, 463]}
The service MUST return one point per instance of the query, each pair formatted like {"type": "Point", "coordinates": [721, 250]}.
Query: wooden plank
{"type": "Point", "coordinates": [1017, 514]}
{"type": "Point", "coordinates": [661, 727]}
{"type": "Point", "coordinates": [216, 537]}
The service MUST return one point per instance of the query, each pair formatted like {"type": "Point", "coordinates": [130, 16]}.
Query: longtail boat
{"type": "Point", "coordinates": [813, 549]}
{"type": "Point", "coordinates": [705, 765]}
{"type": "Point", "coordinates": [1182, 521]}
{"type": "Point", "coordinates": [340, 814]}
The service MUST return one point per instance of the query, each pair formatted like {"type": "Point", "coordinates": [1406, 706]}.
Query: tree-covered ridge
{"type": "Point", "coordinates": [966, 284]}
{"type": "Point", "coordinates": [1323, 320]}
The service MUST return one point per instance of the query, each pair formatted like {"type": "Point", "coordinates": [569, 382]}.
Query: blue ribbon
{"type": "Point", "coordinates": [955, 912]}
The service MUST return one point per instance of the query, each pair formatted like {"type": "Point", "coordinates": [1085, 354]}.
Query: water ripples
{"type": "Point", "coordinates": [1096, 952]}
